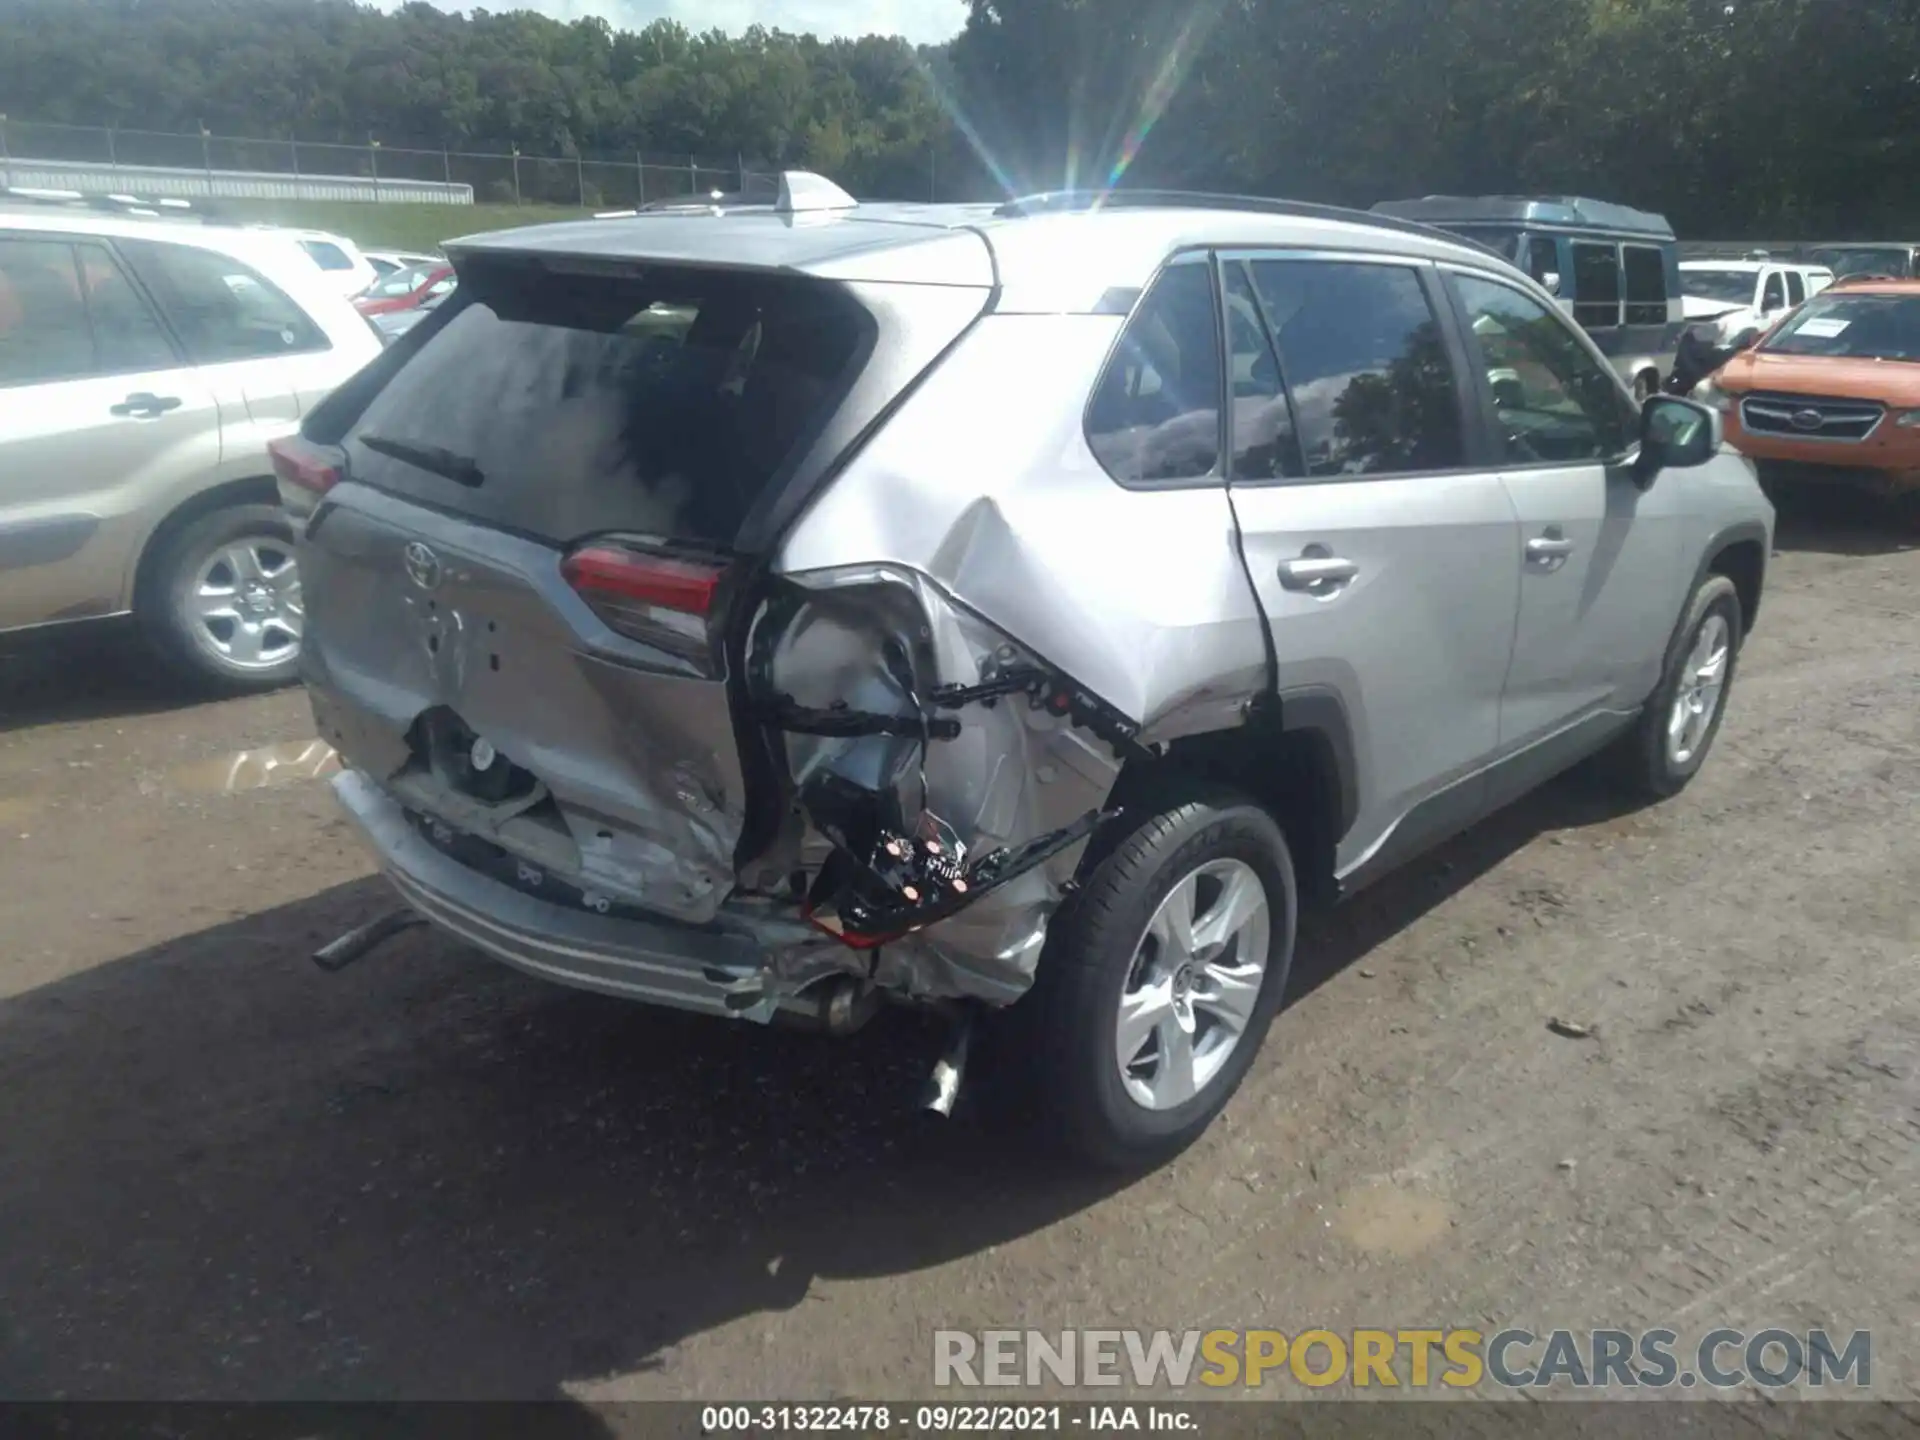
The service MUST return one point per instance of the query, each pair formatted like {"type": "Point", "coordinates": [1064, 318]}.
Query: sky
{"type": "Point", "coordinates": [921, 21]}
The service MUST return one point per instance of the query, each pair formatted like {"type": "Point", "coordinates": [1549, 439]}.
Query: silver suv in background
{"type": "Point", "coordinates": [1014, 611]}
{"type": "Point", "coordinates": [145, 365]}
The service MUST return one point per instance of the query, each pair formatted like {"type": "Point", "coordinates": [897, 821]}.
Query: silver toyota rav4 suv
{"type": "Point", "coordinates": [1019, 608]}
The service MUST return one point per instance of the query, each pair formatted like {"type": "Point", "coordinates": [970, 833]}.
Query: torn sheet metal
{"type": "Point", "coordinates": [946, 779]}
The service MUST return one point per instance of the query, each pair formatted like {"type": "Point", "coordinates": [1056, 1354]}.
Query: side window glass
{"type": "Point", "coordinates": [222, 309]}
{"type": "Point", "coordinates": [1155, 413]}
{"type": "Point", "coordinates": [1796, 287]}
{"type": "Point", "coordinates": [1553, 401]}
{"type": "Point", "coordinates": [1774, 297]}
{"type": "Point", "coordinates": [1646, 270]}
{"type": "Point", "coordinates": [327, 257]}
{"type": "Point", "coordinates": [126, 333]}
{"type": "Point", "coordinates": [1365, 366]}
{"type": "Point", "coordinates": [1543, 260]}
{"type": "Point", "coordinates": [1264, 445]}
{"type": "Point", "coordinates": [1596, 285]}
{"type": "Point", "coordinates": [43, 315]}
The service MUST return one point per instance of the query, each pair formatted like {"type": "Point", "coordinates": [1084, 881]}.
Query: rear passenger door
{"type": "Point", "coordinates": [265, 358]}
{"type": "Point", "coordinates": [1599, 562]}
{"type": "Point", "coordinates": [98, 415]}
{"type": "Point", "coordinates": [1381, 544]}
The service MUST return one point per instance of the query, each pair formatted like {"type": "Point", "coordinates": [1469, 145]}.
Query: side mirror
{"type": "Point", "coordinates": [1675, 434]}
{"type": "Point", "coordinates": [1552, 282]}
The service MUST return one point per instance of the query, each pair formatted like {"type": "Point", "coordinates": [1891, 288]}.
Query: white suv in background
{"type": "Point", "coordinates": [343, 266]}
{"type": "Point", "coordinates": [1736, 298]}
{"type": "Point", "coordinates": [144, 367]}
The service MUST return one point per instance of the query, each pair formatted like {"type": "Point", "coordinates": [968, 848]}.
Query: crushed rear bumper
{"type": "Point", "coordinates": [711, 970]}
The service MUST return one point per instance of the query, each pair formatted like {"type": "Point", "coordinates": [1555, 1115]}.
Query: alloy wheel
{"type": "Point", "coordinates": [1194, 982]}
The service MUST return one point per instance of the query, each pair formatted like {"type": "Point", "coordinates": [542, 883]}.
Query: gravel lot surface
{"type": "Point", "coordinates": [225, 1174]}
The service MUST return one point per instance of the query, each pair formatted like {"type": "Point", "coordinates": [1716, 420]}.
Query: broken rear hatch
{"type": "Point", "coordinates": [539, 546]}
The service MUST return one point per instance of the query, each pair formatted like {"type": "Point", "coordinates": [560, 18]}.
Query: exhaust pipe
{"type": "Point", "coordinates": [950, 1070]}
{"type": "Point", "coordinates": [358, 942]}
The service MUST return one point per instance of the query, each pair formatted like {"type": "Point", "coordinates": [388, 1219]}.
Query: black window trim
{"type": "Point", "coordinates": [1216, 478]}
{"type": "Point", "coordinates": [72, 242]}
{"type": "Point", "coordinates": [179, 341]}
{"type": "Point", "coordinates": [1476, 439]}
{"type": "Point", "coordinates": [1486, 423]}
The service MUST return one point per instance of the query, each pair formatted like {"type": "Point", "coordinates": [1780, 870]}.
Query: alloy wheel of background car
{"type": "Point", "coordinates": [1194, 983]}
{"type": "Point", "coordinates": [245, 603]}
{"type": "Point", "coordinates": [1703, 683]}
{"type": "Point", "coordinates": [221, 598]}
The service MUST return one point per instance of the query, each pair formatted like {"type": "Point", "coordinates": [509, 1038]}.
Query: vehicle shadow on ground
{"type": "Point", "coordinates": [227, 1175]}
{"type": "Point", "coordinates": [1333, 939]}
{"type": "Point", "coordinates": [86, 674]}
{"type": "Point", "coordinates": [1840, 522]}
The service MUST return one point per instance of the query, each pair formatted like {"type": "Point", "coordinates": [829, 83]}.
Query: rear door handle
{"type": "Point", "coordinates": [144, 406]}
{"type": "Point", "coordinates": [1549, 551]}
{"type": "Point", "coordinates": [1317, 573]}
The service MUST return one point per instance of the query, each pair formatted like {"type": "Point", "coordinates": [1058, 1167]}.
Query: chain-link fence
{"type": "Point", "coordinates": [508, 177]}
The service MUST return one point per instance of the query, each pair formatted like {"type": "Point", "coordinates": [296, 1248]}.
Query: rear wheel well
{"type": "Point", "coordinates": [1294, 774]}
{"type": "Point", "coordinates": [1743, 562]}
{"type": "Point", "coordinates": [255, 490]}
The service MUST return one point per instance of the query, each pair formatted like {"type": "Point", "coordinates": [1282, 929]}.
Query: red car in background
{"type": "Point", "coordinates": [404, 289]}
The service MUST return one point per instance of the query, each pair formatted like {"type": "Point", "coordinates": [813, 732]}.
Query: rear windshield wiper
{"type": "Point", "coordinates": [461, 469]}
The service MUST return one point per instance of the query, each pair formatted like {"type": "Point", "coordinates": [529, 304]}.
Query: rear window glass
{"type": "Point", "coordinates": [1646, 284]}
{"type": "Point", "coordinates": [565, 406]}
{"type": "Point", "coordinates": [327, 257]}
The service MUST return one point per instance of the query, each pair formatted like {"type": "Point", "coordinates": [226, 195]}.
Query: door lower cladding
{"type": "Point", "coordinates": [943, 779]}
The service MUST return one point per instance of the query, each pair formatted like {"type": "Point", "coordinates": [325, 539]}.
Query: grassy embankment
{"type": "Point", "coordinates": [392, 227]}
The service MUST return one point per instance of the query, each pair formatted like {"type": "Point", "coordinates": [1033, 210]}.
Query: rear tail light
{"type": "Point", "coordinates": [662, 600]}
{"type": "Point", "coordinates": [305, 472]}
{"type": "Point", "coordinates": [314, 468]}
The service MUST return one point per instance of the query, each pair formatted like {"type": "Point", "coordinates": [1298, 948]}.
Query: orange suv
{"type": "Point", "coordinates": [1831, 396]}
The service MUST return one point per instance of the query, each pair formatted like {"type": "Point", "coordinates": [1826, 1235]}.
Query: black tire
{"type": "Point", "coordinates": [1067, 1034]}
{"type": "Point", "coordinates": [1641, 762]}
{"type": "Point", "coordinates": [174, 573]}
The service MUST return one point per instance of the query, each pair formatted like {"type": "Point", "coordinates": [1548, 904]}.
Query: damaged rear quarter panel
{"type": "Point", "coordinates": [994, 541]}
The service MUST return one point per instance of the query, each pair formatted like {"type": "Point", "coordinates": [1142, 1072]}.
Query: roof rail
{"type": "Point", "coordinates": [154, 207]}
{"type": "Point", "coordinates": [1061, 202]}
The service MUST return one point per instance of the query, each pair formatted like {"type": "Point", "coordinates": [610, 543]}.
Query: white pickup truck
{"type": "Point", "coordinates": [1729, 299]}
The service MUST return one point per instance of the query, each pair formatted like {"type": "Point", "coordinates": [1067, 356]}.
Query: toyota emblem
{"type": "Point", "coordinates": [1808, 419]}
{"type": "Point", "coordinates": [423, 566]}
